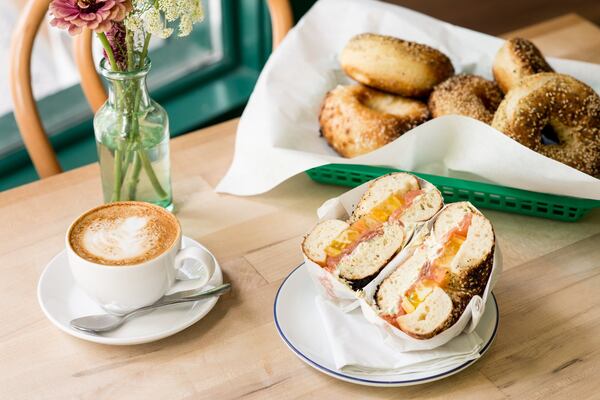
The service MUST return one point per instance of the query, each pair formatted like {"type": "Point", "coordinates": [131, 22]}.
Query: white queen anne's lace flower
{"type": "Point", "coordinates": [155, 24]}
{"type": "Point", "coordinates": [162, 17]}
{"type": "Point", "coordinates": [190, 12]}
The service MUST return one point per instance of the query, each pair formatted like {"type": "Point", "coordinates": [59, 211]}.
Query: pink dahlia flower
{"type": "Point", "coordinates": [97, 15]}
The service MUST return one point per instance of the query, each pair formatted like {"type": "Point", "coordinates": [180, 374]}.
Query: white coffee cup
{"type": "Point", "coordinates": [122, 288]}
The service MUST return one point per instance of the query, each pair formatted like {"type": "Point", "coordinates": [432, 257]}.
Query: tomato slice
{"type": "Point", "coordinates": [391, 207]}
{"type": "Point", "coordinates": [435, 273]}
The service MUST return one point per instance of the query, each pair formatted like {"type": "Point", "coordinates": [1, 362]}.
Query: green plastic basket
{"type": "Point", "coordinates": [480, 194]}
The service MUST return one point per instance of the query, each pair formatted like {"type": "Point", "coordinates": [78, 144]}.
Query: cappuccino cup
{"type": "Point", "coordinates": [126, 255]}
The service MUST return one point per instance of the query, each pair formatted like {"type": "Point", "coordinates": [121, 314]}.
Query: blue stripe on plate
{"type": "Point", "coordinates": [361, 380]}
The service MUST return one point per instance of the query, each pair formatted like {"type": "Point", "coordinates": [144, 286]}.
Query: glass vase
{"type": "Point", "coordinates": [132, 139]}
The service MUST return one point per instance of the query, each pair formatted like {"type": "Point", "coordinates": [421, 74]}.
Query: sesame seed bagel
{"type": "Point", "coordinates": [468, 95]}
{"type": "Point", "coordinates": [356, 119]}
{"type": "Point", "coordinates": [394, 65]}
{"type": "Point", "coordinates": [516, 59]}
{"type": "Point", "coordinates": [568, 106]}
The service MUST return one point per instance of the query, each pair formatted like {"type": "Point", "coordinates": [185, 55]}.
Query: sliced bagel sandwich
{"type": "Point", "coordinates": [430, 290]}
{"type": "Point", "coordinates": [357, 250]}
{"type": "Point", "coordinates": [417, 204]}
{"type": "Point", "coordinates": [391, 291]}
{"type": "Point", "coordinates": [470, 266]}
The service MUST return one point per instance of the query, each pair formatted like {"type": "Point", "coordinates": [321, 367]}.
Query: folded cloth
{"type": "Point", "coordinates": [358, 346]}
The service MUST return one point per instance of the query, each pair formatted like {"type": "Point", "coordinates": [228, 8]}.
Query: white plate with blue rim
{"type": "Point", "coordinates": [297, 319]}
{"type": "Point", "coordinates": [61, 300]}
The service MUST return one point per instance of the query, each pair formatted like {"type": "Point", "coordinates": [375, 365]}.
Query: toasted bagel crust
{"type": "Point", "coordinates": [394, 65]}
{"type": "Point", "coordinates": [516, 59]}
{"type": "Point", "coordinates": [468, 95]}
{"type": "Point", "coordinates": [356, 119]}
{"type": "Point", "coordinates": [569, 106]}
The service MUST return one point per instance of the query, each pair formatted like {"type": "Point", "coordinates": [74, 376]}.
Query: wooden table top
{"type": "Point", "coordinates": [548, 344]}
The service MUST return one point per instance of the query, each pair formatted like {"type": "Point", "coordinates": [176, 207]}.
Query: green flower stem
{"type": "Point", "coordinates": [127, 158]}
{"type": "Point", "coordinates": [133, 150]}
{"type": "Point", "coordinates": [108, 49]}
{"type": "Point", "coordinates": [116, 196]}
{"type": "Point", "coordinates": [135, 177]}
{"type": "Point", "coordinates": [133, 141]}
{"type": "Point", "coordinates": [151, 175]}
{"type": "Point", "coordinates": [147, 165]}
{"type": "Point", "coordinates": [141, 158]}
{"type": "Point", "coordinates": [145, 49]}
{"type": "Point", "coordinates": [129, 42]}
{"type": "Point", "coordinates": [132, 115]}
{"type": "Point", "coordinates": [118, 167]}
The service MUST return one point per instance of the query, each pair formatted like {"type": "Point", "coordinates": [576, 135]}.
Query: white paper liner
{"type": "Point", "coordinates": [278, 137]}
{"type": "Point", "coordinates": [341, 207]}
{"type": "Point", "coordinates": [467, 322]}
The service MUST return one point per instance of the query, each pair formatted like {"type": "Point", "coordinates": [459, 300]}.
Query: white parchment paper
{"type": "Point", "coordinates": [278, 134]}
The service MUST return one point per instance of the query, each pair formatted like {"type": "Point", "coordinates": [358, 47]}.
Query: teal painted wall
{"type": "Point", "coordinates": [201, 98]}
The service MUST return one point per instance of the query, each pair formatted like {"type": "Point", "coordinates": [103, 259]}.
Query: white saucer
{"type": "Point", "coordinates": [297, 319]}
{"type": "Point", "coordinates": [61, 300]}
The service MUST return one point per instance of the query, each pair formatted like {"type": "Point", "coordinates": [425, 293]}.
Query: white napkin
{"type": "Point", "coordinates": [357, 346]}
{"type": "Point", "coordinates": [278, 134]}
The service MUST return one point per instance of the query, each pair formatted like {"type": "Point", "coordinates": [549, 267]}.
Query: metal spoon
{"type": "Point", "coordinates": [108, 322]}
{"type": "Point", "coordinates": [181, 294]}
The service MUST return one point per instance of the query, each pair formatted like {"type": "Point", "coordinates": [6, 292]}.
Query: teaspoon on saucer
{"type": "Point", "coordinates": [108, 322]}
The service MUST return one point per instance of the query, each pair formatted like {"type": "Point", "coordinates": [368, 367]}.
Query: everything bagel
{"type": "Point", "coordinates": [469, 95]}
{"type": "Point", "coordinates": [356, 119]}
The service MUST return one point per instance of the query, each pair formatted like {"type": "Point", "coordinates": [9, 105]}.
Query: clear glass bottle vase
{"type": "Point", "coordinates": [132, 139]}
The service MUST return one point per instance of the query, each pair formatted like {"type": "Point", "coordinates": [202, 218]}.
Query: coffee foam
{"type": "Point", "coordinates": [120, 238]}
{"type": "Point", "coordinates": [124, 233]}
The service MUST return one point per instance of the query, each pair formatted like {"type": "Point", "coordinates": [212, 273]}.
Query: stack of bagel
{"type": "Point", "coordinates": [402, 84]}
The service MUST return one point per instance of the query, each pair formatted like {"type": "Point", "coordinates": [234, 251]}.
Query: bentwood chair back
{"type": "Point", "coordinates": [25, 109]}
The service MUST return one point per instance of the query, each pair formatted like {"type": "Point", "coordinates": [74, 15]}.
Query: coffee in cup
{"type": "Point", "coordinates": [121, 234]}
{"type": "Point", "coordinates": [126, 255]}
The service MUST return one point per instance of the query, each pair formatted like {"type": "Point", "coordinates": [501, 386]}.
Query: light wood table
{"type": "Point", "coordinates": [548, 344]}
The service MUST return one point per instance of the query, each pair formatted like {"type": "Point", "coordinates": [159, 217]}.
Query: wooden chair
{"type": "Point", "coordinates": [25, 110]}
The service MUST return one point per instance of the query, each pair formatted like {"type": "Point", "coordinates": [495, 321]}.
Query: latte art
{"type": "Point", "coordinates": [119, 239]}
{"type": "Point", "coordinates": [124, 233]}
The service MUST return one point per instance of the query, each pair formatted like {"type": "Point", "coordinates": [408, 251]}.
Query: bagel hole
{"type": "Point", "coordinates": [549, 135]}
{"type": "Point", "coordinates": [487, 104]}
{"type": "Point", "coordinates": [390, 104]}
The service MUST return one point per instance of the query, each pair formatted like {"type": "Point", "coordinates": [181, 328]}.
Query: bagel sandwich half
{"type": "Point", "coordinates": [357, 250]}
{"type": "Point", "coordinates": [419, 204]}
{"type": "Point", "coordinates": [430, 290]}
